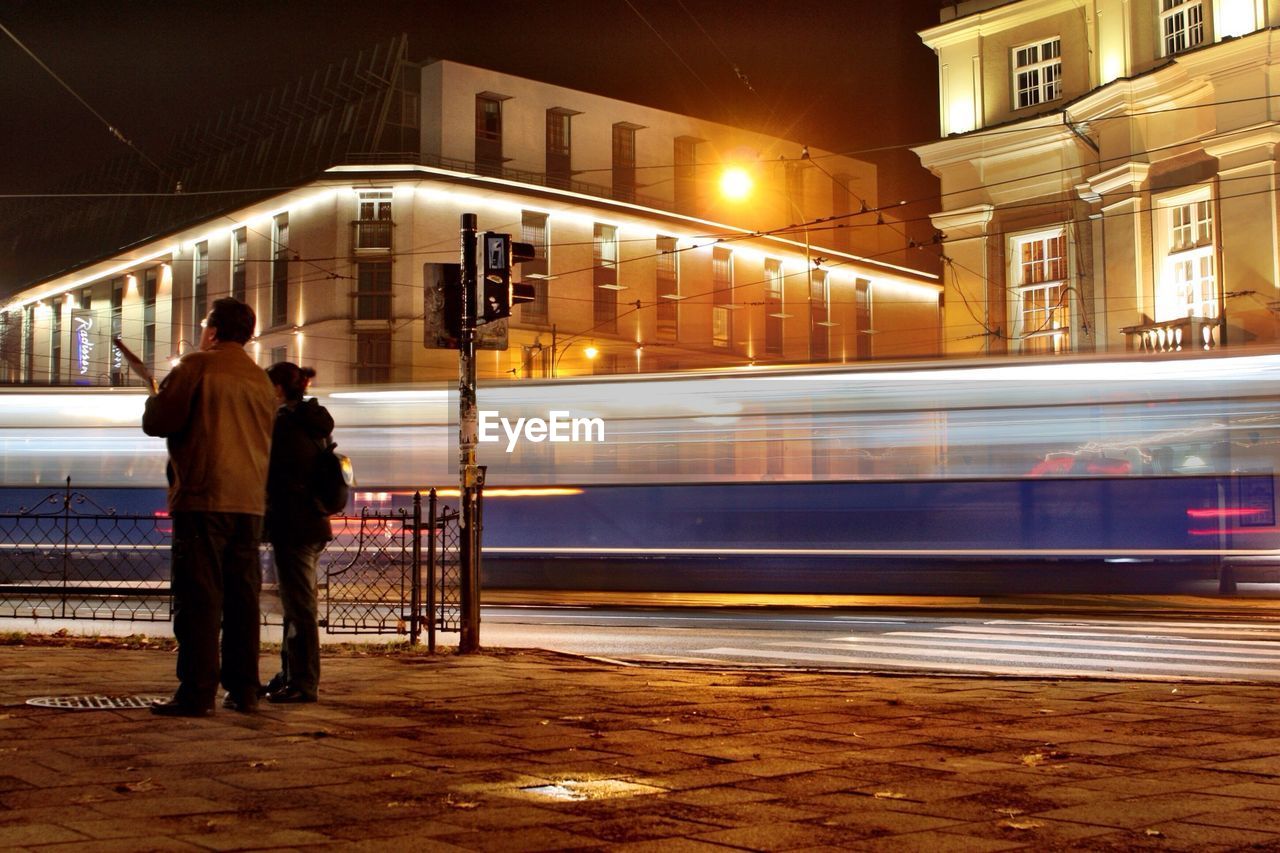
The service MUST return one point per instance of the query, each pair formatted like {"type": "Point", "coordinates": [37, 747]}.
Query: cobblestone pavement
{"type": "Point", "coordinates": [536, 751]}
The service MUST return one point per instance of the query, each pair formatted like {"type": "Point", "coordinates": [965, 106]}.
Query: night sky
{"type": "Point", "coordinates": [845, 75]}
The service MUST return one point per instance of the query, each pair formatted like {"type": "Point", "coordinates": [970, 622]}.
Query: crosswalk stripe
{"type": "Point", "coordinates": [947, 666]}
{"type": "Point", "coordinates": [1159, 629]}
{"type": "Point", "coordinates": [1270, 637]}
{"type": "Point", "coordinates": [952, 639]}
{"type": "Point", "coordinates": [1033, 657]}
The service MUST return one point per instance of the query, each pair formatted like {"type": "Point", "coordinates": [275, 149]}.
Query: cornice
{"type": "Point", "coordinates": [965, 222]}
{"type": "Point", "coordinates": [995, 20]}
{"type": "Point", "coordinates": [1127, 177]}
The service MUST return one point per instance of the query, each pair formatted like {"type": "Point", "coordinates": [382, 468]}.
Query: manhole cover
{"type": "Point", "coordinates": [93, 703]}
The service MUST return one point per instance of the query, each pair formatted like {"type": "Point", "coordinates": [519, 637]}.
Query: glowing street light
{"type": "Point", "coordinates": [735, 183]}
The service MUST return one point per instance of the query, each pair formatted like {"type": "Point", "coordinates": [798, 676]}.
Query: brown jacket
{"type": "Point", "coordinates": [216, 409]}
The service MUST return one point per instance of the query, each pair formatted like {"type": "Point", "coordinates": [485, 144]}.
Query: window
{"type": "Point", "coordinates": [841, 210]}
{"type": "Point", "coordinates": [624, 161]}
{"type": "Point", "coordinates": [668, 289]}
{"type": "Point", "coordinates": [533, 230]}
{"type": "Point", "coordinates": [559, 147]}
{"type": "Point", "coordinates": [149, 279]}
{"type": "Point", "coordinates": [373, 357]}
{"type": "Point", "coordinates": [280, 270]}
{"type": "Point", "coordinates": [1037, 73]}
{"type": "Point", "coordinates": [605, 276]}
{"type": "Point", "coordinates": [489, 133]}
{"type": "Point", "coordinates": [118, 376]}
{"type": "Point", "coordinates": [373, 291]}
{"type": "Point", "coordinates": [28, 342]}
{"type": "Point", "coordinates": [686, 160]}
{"type": "Point", "coordinates": [239, 259]}
{"type": "Point", "coordinates": [279, 354]}
{"type": "Point", "coordinates": [773, 307]}
{"type": "Point", "coordinates": [819, 316]}
{"type": "Point", "coordinates": [795, 192]}
{"type": "Point", "coordinates": [1181, 25]}
{"type": "Point", "coordinates": [199, 284]}
{"type": "Point", "coordinates": [373, 227]}
{"type": "Point", "coordinates": [55, 342]}
{"type": "Point", "coordinates": [1042, 315]}
{"type": "Point", "coordinates": [722, 297]}
{"type": "Point", "coordinates": [862, 317]}
{"type": "Point", "coordinates": [1188, 283]}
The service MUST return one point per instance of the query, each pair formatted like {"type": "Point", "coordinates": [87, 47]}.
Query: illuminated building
{"type": "Point", "coordinates": [642, 260]}
{"type": "Point", "coordinates": [1108, 174]}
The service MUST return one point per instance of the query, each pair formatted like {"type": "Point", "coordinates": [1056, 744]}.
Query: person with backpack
{"type": "Point", "coordinates": [297, 527]}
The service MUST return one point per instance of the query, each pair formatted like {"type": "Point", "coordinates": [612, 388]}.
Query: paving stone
{"type": "Point", "coordinates": [434, 753]}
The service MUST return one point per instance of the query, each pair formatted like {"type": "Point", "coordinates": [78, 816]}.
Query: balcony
{"type": "Point", "coordinates": [1185, 334]}
{"type": "Point", "coordinates": [373, 234]}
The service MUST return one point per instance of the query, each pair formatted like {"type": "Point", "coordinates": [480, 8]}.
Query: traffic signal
{"type": "Point", "coordinates": [442, 312]}
{"type": "Point", "coordinates": [497, 293]}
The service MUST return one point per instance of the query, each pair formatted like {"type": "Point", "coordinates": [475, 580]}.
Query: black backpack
{"type": "Point", "coordinates": [332, 479]}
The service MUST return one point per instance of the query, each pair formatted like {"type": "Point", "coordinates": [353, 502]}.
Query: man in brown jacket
{"type": "Point", "coordinates": [215, 408]}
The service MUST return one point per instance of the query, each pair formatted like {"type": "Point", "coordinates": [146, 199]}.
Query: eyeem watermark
{"type": "Point", "coordinates": [559, 426]}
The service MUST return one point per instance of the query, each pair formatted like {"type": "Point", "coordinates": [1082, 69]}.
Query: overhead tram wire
{"type": "Point", "coordinates": [112, 129]}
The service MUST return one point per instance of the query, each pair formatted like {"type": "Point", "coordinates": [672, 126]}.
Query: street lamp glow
{"type": "Point", "coordinates": [590, 352]}
{"type": "Point", "coordinates": [735, 183]}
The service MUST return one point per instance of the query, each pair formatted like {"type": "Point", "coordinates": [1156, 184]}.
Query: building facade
{"type": "Point", "coordinates": [1108, 172]}
{"type": "Point", "coordinates": [643, 263]}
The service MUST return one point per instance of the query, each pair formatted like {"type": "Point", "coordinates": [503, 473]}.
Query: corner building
{"type": "Point", "coordinates": [1108, 173]}
{"type": "Point", "coordinates": [642, 265]}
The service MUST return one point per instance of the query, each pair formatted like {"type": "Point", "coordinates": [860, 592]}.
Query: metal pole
{"type": "Point", "coordinates": [415, 582]}
{"type": "Point", "coordinates": [469, 634]}
{"type": "Point", "coordinates": [434, 544]}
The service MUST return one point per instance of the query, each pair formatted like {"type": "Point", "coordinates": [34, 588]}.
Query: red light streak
{"type": "Point", "coordinates": [1225, 512]}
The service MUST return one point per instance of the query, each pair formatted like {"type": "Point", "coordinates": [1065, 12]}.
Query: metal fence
{"type": "Point", "coordinates": [384, 572]}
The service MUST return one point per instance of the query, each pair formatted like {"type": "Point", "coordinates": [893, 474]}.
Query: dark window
{"type": "Point", "coordinates": [841, 208]}
{"type": "Point", "coordinates": [488, 134]}
{"type": "Point", "coordinates": [624, 161]}
{"type": "Point", "coordinates": [686, 158]}
{"type": "Point", "coordinates": [239, 259]}
{"type": "Point", "coordinates": [559, 147]}
{"type": "Point", "coordinates": [668, 289]}
{"type": "Point", "coordinates": [605, 277]}
{"type": "Point", "coordinates": [773, 306]}
{"type": "Point", "coordinates": [199, 285]}
{"type": "Point", "coordinates": [533, 230]}
{"type": "Point", "coordinates": [279, 354]}
{"type": "Point", "coordinates": [373, 357]}
{"type": "Point", "coordinates": [722, 297]}
{"type": "Point", "coordinates": [280, 270]}
{"type": "Point", "coordinates": [819, 316]}
{"type": "Point", "coordinates": [862, 317]}
{"type": "Point", "coordinates": [55, 342]}
{"type": "Point", "coordinates": [28, 342]}
{"type": "Point", "coordinates": [149, 279]}
{"type": "Point", "coordinates": [118, 371]}
{"type": "Point", "coordinates": [373, 228]}
{"type": "Point", "coordinates": [373, 291]}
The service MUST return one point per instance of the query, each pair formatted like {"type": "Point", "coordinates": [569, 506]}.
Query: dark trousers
{"type": "Point", "coordinates": [216, 579]}
{"type": "Point", "coordinates": [300, 649]}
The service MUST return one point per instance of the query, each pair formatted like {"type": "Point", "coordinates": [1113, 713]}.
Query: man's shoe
{"type": "Point", "coordinates": [177, 708]}
{"type": "Point", "coordinates": [289, 696]}
{"type": "Point", "coordinates": [241, 704]}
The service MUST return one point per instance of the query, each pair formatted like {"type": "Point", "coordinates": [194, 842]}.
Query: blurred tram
{"type": "Point", "coordinates": [984, 476]}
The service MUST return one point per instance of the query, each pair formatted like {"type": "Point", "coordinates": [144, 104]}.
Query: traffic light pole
{"type": "Point", "coordinates": [468, 432]}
